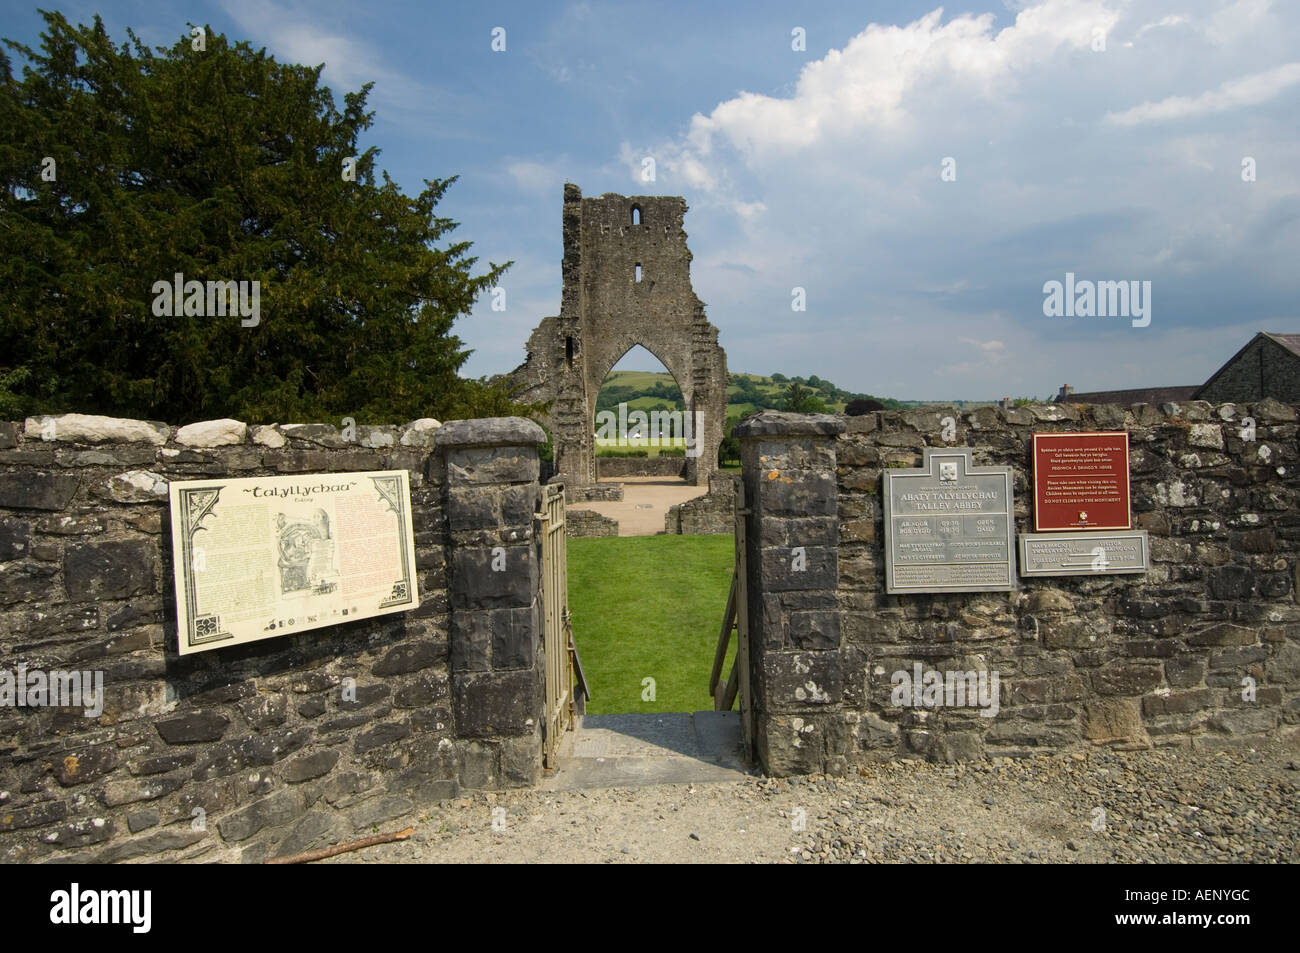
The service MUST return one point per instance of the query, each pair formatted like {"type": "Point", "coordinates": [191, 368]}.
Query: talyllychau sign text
{"type": "Point", "coordinates": [267, 556]}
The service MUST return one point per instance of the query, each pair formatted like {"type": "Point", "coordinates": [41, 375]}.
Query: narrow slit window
{"type": "Point", "coordinates": [638, 272]}
{"type": "Point", "coordinates": [636, 215]}
{"type": "Point", "coordinates": [568, 351]}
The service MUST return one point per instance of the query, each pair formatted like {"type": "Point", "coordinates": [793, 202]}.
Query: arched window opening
{"type": "Point", "coordinates": [636, 215]}
{"type": "Point", "coordinates": [638, 271]}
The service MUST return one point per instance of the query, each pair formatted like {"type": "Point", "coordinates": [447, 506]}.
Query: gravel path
{"type": "Point", "coordinates": [1159, 806]}
{"type": "Point", "coordinates": [646, 501]}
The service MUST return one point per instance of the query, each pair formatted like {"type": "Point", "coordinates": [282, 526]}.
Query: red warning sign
{"type": "Point", "coordinates": [1081, 481]}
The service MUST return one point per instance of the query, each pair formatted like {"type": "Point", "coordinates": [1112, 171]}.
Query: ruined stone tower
{"type": "Point", "coordinates": [627, 281]}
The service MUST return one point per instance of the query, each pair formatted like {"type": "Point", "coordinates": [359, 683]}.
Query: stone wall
{"type": "Point", "coordinates": [257, 750]}
{"type": "Point", "coordinates": [614, 467]}
{"type": "Point", "coordinates": [593, 493]}
{"type": "Point", "coordinates": [713, 513]}
{"type": "Point", "coordinates": [586, 523]}
{"type": "Point", "coordinates": [1203, 650]}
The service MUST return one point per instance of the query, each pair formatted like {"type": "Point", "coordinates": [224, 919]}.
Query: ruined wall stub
{"type": "Point", "coordinates": [605, 311]}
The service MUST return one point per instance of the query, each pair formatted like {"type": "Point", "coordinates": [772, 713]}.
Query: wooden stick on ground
{"type": "Point", "coordinates": [310, 855]}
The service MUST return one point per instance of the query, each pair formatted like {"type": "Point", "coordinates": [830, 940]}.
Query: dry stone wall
{"type": "Point", "coordinates": [614, 467]}
{"type": "Point", "coordinates": [1203, 650]}
{"type": "Point", "coordinates": [713, 513]}
{"type": "Point", "coordinates": [257, 750]}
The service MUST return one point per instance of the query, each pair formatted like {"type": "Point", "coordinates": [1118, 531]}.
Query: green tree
{"type": "Point", "coordinates": [123, 166]}
{"type": "Point", "coordinates": [800, 400]}
{"type": "Point", "coordinates": [729, 447]}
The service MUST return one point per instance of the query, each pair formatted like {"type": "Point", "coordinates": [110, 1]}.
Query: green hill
{"type": "Point", "coordinates": [656, 390]}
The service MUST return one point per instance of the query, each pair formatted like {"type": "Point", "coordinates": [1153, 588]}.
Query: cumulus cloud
{"type": "Point", "coordinates": [876, 79]}
{"type": "Point", "coordinates": [916, 284]}
{"type": "Point", "coordinates": [1245, 91]}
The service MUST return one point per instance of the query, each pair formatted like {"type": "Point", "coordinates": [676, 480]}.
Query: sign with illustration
{"type": "Point", "coordinates": [267, 556]}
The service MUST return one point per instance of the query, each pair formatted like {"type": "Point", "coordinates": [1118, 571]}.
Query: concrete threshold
{"type": "Point", "coordinates": [633, 750]}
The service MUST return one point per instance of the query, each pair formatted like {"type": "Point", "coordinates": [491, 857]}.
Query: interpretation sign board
{"type": "Point", "coordinates": [268, 556]}
{"type": "Point", "coordinates": [948, 525]}
{"type": "Point", "coordinates": [1082, 554]}
{"type": "Point", "coordinates": [1081, 482]}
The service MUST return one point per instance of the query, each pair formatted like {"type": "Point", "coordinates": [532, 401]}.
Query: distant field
{"type": "Point", "coordinates": [774, 390]}
{"type": "Point", "coordinates": [638, 378]}
{"type": "Point", "coordinates": [649, 606]}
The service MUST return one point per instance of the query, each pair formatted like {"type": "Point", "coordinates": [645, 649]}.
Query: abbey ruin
{"type": "Point", "coordinates": [627, 281]}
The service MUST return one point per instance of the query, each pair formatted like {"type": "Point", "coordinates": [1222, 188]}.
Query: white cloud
{"type": "Point", "coordinates": [1246, 91]}
{"type": "Point", "coordinates": [884, 71]}
{"type": "Point", "coordinates": [943, 279]}
{"type": "Point", "coordinates": [532, 176]}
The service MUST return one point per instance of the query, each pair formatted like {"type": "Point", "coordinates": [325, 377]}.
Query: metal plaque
{"type": "Point", "coordinates": [948, 525]}
{"type": "Point", "coordinates": [1081, 481]}
{"type": "Point", "coordinates": [1083, 554]}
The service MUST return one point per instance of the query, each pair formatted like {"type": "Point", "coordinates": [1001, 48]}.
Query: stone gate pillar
{"type": "Point", "coordinates": [493, 587]}
{"type": "Point", "coordinates": [792, 572]}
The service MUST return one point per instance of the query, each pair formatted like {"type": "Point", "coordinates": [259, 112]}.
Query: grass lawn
{"type": "Point", "coordinates": [652, 445]}
{"type": "Point", "coordinates": [649, 606]}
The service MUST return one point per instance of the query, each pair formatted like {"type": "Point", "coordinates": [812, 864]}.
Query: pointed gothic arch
{"type": "Point", "coordinates": [605, 312]}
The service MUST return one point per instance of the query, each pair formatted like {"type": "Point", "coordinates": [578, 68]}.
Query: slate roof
{"type": "Point", "coordinates": [1139, 395]}
{"type": "Point", "coordinates": [1289, 341]}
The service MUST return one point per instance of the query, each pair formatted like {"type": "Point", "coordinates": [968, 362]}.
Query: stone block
{"type": "Point", "coordinates": [785, 569]}
{"type": "Point", "coordinates": [193, 727]}
{"type": "Point", "coordinates": [1126, 678]}
{"type": "Point", "coordinates": [273, 810]}
{"type": "Point", "coordinates": [796, 493]}
{"type": "Point", "coordinates": [111, 569]}
{"type": "Point", "coordinates": [407, 657]}
{"type": "Point", "coordinates": [90, 428]}
{"type": "Point", "coordinates": [84, 764]}
{"type": "Point", "coordinates": [309, 766]}
{"type": "Point", "coordinates": [27, 490]}
{"type": "Point", "coordinates": [815, 629]}
{"type": "Point", "coordinates": [798, 681]}
{"type": "Point", "coordinates": [493, 577]}
{"type": "Point", "coordinates": [496, 703]}
{"type": "Point", "coordinates": [212, 433]}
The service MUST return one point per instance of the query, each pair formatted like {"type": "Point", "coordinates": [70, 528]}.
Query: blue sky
{"type": "Point", "coordinates": [822, 168]}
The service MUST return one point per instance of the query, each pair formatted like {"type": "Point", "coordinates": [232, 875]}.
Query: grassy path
{"type": "Point", "coordinates": [649, 607]}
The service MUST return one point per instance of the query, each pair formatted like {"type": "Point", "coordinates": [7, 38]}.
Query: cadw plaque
{"type": "Point", "coordinates": [268, 556]}
{"type": "Point", "coordinates": [948, 525]}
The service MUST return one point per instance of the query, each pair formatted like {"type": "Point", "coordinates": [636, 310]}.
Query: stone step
{"type": "Point", "coordinates": [631, 750]}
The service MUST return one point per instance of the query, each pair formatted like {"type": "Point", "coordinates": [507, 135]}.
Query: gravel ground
{"type": "Point", "coordinates": [1159, 806]}
{"type": "Point", "coordinates": [646, 501]}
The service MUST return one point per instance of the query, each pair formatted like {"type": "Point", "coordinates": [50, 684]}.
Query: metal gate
{"type": "Point", "coordinates": [557, 630]}
{"type": "Point", "coordinates": [736, 617]}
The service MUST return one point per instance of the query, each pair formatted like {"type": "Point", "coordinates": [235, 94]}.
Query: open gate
{"type": "Point", "coordinates": [563, 701]}
{"type": "Point", "coordinates": [736, 617]}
